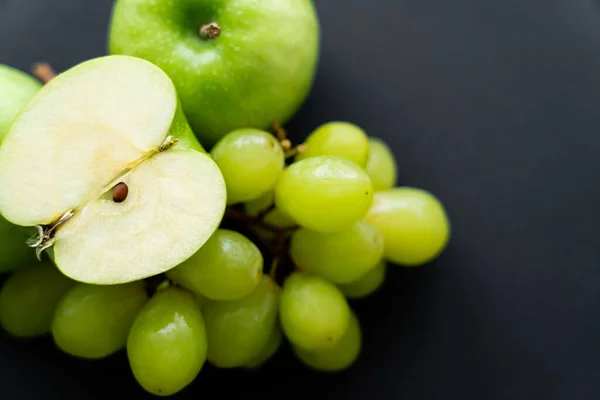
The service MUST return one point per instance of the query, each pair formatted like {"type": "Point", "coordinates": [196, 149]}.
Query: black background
{"type": "Point", "coordinates": [493, 106]}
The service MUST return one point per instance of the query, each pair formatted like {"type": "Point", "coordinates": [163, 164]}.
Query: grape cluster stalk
{"type": "Point", "coordinates": [307, 228]}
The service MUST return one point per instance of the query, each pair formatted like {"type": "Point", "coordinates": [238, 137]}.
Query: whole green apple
{"type": "Point", "coordinates": [235, 63]}
{"type": "Point", "coordinates": [17, 89]}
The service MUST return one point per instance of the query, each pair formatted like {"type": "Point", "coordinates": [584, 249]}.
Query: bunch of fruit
{"type": "Point", "coordinates": [150, 243]}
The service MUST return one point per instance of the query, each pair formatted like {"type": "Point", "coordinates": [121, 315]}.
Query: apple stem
{"type": "Point", "coordinates": [43, 72]}
{"type": "Point", "coordinates": [210, 31]}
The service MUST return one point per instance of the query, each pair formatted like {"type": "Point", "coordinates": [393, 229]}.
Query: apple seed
{"type": "Point", "coordinates": [120, 193]}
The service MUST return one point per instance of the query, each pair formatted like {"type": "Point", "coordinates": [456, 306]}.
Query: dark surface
{"type": "Point", "coordinates": [492, 105]}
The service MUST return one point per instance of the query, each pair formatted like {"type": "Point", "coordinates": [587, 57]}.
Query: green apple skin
{"type": "Point", "coordinates": [259, 70]}
{"type": "Point", "coordinates": [18, 88]}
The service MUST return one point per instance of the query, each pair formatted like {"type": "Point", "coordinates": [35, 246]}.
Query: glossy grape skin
{"type": "Point", "coordinates": [414, 224]}
{"type": "Point", "coordinates": [93, 321]}
{"type": "Point", "coordinates": [251, 162]}
{"type": "Point", "coordinates": [238, 330]}
{"type": "Point", "coordinates": [339, 357]}
{"type": "Point", "coordinates": [268, 351]}
{"type": "Point", "coordinates": [337, 138]}
{"type": "Point", "coordinates": [29, 297]}
{"type": "Point", "coordinates": [324, 193]}
{"type": "Point", "coordinates": [313, 313]}
{"type": "Point", "coordinates": [367, 284]}
{"type": "Point", "coordinates": [167, 344]}
{"type": "Point", "coordinates": [381, 165]}
{"type": "Point", "coordinates": [340, 257]}
{"type": "Point", "coordinates": [227, 267]}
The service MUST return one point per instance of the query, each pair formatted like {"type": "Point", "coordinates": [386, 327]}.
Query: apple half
{"type": "Point", "coordinates": [113, 121]}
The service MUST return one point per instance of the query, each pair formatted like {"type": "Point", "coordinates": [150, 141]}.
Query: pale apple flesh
{"type": "Point", "coordinates": [78, 133]}
{"type": "Point", "coordinates": [109, 120]}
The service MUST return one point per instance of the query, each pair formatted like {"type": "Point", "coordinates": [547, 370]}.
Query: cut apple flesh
{"type": "Point", "coordinates": [110, 120]}
{"type": "Point", "coordinates": [165, 214]}
{"type": "Point", "coordinates": [78, 133]}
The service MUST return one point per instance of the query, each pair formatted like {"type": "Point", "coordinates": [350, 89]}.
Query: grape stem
{"type": "Point", "coordinates": [156, 283]}
{"type": "Point", "coordinates": [258, 221]}
{"type": "Point", "coordinates": [277, 249]}
{"type": "Point", "coordinates": [286, 144]}
{"type": "Point", "coordinates": [43, 72]}
{"type": "Point", "coordinates": [279, 131]}
{"type": "Point", "coordinates": [261, 215]}
{"type": "Point", "coordinates": [273, 269]}
{"type": "Point", "coordinates": [295, 150]}
{"type": "Point", "coordinates": [282, 251]}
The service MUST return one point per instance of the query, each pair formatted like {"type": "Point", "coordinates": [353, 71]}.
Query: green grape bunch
{"type": "Point", "coordinates": [308, 229]}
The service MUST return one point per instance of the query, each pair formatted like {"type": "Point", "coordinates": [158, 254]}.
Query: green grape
{"type": "Point", "coordinates": [167, 343]}
{"type": "Point", "coordinates": [228, 266]}
{"type": "Point", "coordinates": [260, 204]}
{"type": "Point", "coordinates": [314, 314]}
{"type": "Point", "coordinates": [200, 300]}
{"type": "Point", "coordinates": [340, 257]}
{"type": "Point", "coordinates": [268, 351]}
{"type": "Point", "coordinates": [337, 138]}
{"type": "Point", "coordinates": [251, 162]}
{"type": "Point", "coordinates": [381, 165]}
{"type": "Point", "coordinates": [238, 330]}
{"type": "Point", "coordinates": [92, 321]}
{"type": "Point", "coordinates": [324, 193]}
{"type": "Point", "coordinates": [366, 284]}
{"type": "Point", "coordinates": [29, 297]}
{"type": "Point", "coordinates": [339, 357]}
{"type": "Point", "coordinates": [274, 218]}
{"type": "Point", "coordinates": [14, 253]}
{"type": "Point", "coordinates": [413, 222]}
